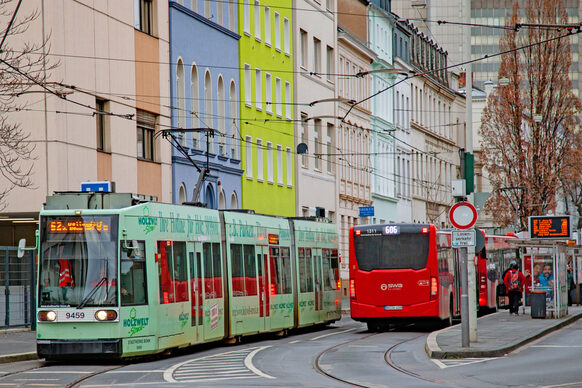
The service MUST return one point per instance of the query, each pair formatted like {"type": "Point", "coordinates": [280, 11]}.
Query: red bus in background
{"type": "Point", "coordinates": [492, 261]}
{"type": "Point", "coordinates": [402, 272]}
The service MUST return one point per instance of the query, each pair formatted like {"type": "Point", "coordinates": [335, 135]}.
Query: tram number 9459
{"type": "Point", "coordinates": [75, 315]}
{"type": "Point", "coordinates": [391, 229]}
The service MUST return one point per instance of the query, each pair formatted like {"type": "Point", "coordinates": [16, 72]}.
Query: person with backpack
{"type": "Point", "coordinates": [514, 282]}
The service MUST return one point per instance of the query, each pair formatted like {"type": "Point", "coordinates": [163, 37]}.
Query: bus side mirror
{"type": "Point", "coordinates": [21, 248]}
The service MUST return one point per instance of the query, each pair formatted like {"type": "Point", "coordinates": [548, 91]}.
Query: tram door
{"type": "Point", "coordinates": [318, 278]}
{"type": "Point", "coordinates": [264, 286]}
{"type": "Point", "coordinates": [196, 283]}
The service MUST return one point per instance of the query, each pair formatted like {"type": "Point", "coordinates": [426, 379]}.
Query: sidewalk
{"type": "Point", "coordinates": [17, 345]}
{"type": "Point", "coordinates": [497, 334]}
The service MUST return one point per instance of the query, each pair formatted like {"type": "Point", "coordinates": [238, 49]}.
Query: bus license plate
{"type": "Point", "coordinates": [392, 307]}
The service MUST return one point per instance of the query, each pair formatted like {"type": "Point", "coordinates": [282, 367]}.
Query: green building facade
{"type": "Point", "coordinates": [266, 106]}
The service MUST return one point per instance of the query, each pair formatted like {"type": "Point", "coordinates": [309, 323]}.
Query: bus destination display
{"type": "Point", "coordinates": [554, 227]}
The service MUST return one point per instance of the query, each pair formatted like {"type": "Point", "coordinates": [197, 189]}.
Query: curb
{"type": "Point", "coordinates": [434, 351]}
{"type": "Point", "coordinates": [18, 357]}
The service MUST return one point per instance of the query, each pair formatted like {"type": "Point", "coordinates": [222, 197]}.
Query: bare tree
{"type": "Point", "coordinates": [23, 67]}
{"type": "Point", "coordinates": [528, 125]}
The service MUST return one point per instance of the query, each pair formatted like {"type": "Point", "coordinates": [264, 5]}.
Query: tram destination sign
{"type": "Point", "coordinates": [550, 227]}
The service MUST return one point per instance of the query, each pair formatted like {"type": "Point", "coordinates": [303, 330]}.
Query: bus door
{"type": "Point", "coordinates": [196, 282]}
{"type": "Point", "coordinates": [457, 282]}
{"type": "Point", "coordinates": [318, 278]}
{"type": "Point", "coordinates": [264, 286]}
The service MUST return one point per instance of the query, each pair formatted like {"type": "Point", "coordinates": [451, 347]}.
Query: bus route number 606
{"type": "Point", "coordinates": [391, 229]}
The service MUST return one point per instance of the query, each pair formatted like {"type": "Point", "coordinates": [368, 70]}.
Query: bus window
{"type": "Point", "coordinates": [133, 273]}
{"type": "Point", "coordinates": [305, 270]}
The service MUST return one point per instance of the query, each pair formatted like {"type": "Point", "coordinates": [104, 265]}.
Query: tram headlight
{"type": "Point", "coordinates": [105, 315]}
{"type": "Point", "coordinates": [47, 316]}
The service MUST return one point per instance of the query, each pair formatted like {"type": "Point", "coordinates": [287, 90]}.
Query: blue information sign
{"type": "Point", "coordinates": [104, 186]}
{"type": "Point", "coordinates": [366, 211]}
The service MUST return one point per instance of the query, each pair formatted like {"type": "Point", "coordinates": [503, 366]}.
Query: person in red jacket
{"type": "Point", "coordinates": [514, 282]}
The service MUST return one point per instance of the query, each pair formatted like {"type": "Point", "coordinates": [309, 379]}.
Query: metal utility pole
{"type": "Point", "coordinates": [472, 290]}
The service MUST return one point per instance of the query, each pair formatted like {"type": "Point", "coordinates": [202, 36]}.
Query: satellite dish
{"type": "Point", "coordinates": [301, 148]}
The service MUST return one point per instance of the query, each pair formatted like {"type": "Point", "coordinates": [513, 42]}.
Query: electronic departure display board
{"type": "Point", "coordinates": [550, 227]}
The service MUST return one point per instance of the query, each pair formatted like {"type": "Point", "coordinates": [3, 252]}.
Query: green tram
{"type": "Point", "coordinates": [121, 277]}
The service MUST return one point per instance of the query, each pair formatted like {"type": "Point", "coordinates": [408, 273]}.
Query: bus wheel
{"type": "Point", "coordinates": [372, 326]}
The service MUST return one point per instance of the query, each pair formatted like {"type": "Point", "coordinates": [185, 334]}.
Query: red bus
{"type": "Point", "coordinates": [492, 262]}
{"type": "Point", "coordinates": [402, 272]}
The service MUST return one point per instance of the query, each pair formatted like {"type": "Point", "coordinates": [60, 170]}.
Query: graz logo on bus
{"type": "Point", "coordinates": [423, 283]}
{"type": "Point", "coordinates": [150, 223]}
{"type": "Point", "coordinates": [391, 286]}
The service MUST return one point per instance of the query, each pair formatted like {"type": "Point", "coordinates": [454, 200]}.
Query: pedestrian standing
{"type": "Point", "coordinates": [514, 282]}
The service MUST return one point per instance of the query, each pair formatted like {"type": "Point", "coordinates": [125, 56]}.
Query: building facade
{"type": "Point", "coordinates": [266, 106]}
{"type": "Point", "coordinates": [205, 102]}
{"type": "Point", "coordinates": [105, 128]}
{"type": "Point", "coordinates": [316, 107]}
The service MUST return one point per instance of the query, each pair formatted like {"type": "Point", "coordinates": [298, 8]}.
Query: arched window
{"type": "Point", "coordinates": [234, 201]}
{"type": "Point", "coordinates": [180, 91]}
{"type": "Point", "coordinates": [208, 118]}
{"type": "Point", "coordinates": [233, 114]}
{"type": "Point", "coordinates": [209, 197]}
{"type": "Point", "coordinates": [221, 117]}
{"type": "Point", "coordinates": [182, 194]}
{"type": "Point", "coordinates": [221, 200]}
{"type": "Point", "coordinates": [195, 110]}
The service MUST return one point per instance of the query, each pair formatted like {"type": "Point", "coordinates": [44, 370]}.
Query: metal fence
{"type": "Point", "coordinates": [17, 297]}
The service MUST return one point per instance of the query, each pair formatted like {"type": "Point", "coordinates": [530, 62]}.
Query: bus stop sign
{"type": "Point", "coordinates": [463, 215]}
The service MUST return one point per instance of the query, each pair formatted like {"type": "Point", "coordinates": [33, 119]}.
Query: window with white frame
{"type": "Point", "coordinates": [316, 55]}
{"type": "Point", "coordinates": [288, 100]}
{"type": "Point", "coordinates": [247, 17]}
{"type": "Point", "coordinates": [268, 93]}
{"type": "Point", "coordinates": [257, 20]}
{"type": "Point", "coordinates": [279, 164]}
{"type": "Point", "coordinates": [233, 129]}
{"type": "Point", "coordinates": [289, 155]}
{"type": "Point", "coordinates": [278, 101]}
{"type": "Point", "coordinates": [208, 103]}
{"type": "Point", "coordinates": [143, 11]}
{"type": "Point", "coordinates": [277, 31]}
{"type": "Point", "coordinates": [258, 90]}
{"type": "Point", "coordinates": [270, 162]}
{"type": "Point", "coordinates": [317, 143]}
{"type": "Point", "coordinates": [304, 137]}
{"type": "Point", "coordinates": [260, 159]}
{"type": "Point", "coordinates": [195, 105]}
{"type": "Point", "coordinates": [329, 148]}
{"type": "Point", "coordinates": [303, 48]}
{"type": "Point", "coordinates": [248, 95]}
{"type": "Point", "coordinates": [249, 159]}
{"type": "Point", "coordinates": [267, 25]}
{"type": "Point", "coordinates": [207, 10]}
{"type": "Point", "coordinates": [286, 34]}
{"type": "Point", "coordinates": [330, 63]}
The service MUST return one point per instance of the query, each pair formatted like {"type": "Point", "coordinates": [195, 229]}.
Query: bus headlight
{"type": "Point", "coordinates": [47, 316]}
{"type": "Point", "coordinates": [105, 315]}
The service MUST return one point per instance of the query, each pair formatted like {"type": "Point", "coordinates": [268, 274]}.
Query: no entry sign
{"type": "Point", "coordinates": [463, 215]}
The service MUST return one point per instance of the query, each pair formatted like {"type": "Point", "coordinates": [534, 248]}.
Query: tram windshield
{"type": "Point", "coordinates": [78, 261]}
{"type": "Point", "coordinates": [395, 251]}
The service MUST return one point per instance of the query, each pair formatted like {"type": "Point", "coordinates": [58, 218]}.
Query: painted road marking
{"type": "Point", "coordinates": [460, 362]}
{"type": "Point", "coordinates": [563, 385]}
{"type": "Point", "coordinates": [556, 346]}
{"type": "Point", "coordinates": [327, 335]}
{"type": "Point", "coordinates": [237, 364]}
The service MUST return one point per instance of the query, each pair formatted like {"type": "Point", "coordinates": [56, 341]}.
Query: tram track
{"type": "Point", "coordinates": [387, 359]}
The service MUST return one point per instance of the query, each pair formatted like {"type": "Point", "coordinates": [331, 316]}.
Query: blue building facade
{"type": "Point", "coordinates": [204, 95]}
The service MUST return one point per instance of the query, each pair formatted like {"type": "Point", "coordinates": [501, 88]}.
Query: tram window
{"type": "Point", "coordinates": [327, 271]}
{"type": "Point", "coordinates": [166, 266]}
{"type": "Point", "coordinates": [250, 270]}
{"type": "Point", "coordinates": [275, 285]}
{"type": "Point", "coordinates": [305, 270]}
{"type": "Point", "coordinates": [217, 269]}
{"type": "Point", "coordinates": [238, 271]}
{"type": "Point", "coordinates": [286, 271]}
{"type": "Point", "coordinates": [133, 273]}
{"type": "Point", "coordinates": [208, 271]}
{"type": "Point", "coordinates": [180, 271]}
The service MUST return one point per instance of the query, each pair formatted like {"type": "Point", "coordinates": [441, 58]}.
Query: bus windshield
{"type": "Point", "coordinates": [398, 251]}
{"type": "Point", "coordinates": [78, 261]}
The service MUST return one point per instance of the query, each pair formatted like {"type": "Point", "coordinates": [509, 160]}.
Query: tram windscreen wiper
{"type": "Point", "coordinates": [93, 291]}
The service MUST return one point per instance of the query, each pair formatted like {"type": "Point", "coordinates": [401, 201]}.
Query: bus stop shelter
{"type": "Point", "coordinates": [544, 264]}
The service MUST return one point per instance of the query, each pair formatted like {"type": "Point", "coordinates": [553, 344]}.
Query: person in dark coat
{"type": "Point", "coordinates": [514, 282]}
